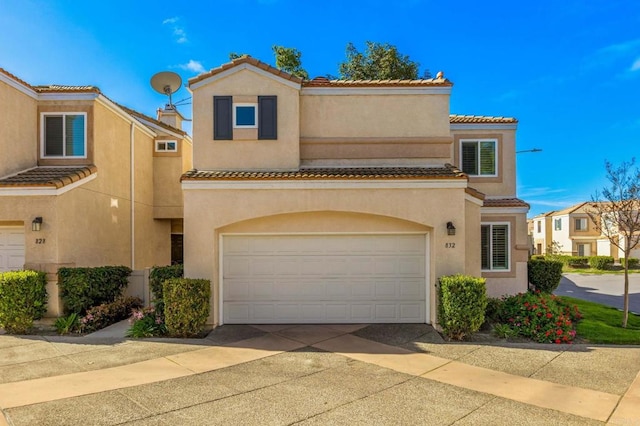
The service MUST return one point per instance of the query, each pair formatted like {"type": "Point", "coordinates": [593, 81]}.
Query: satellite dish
{"type": "Point", "coordinates": [167, 83]}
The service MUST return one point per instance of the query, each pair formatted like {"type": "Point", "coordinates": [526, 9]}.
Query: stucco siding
{"type": "Point", "coordinates": [18, 130]}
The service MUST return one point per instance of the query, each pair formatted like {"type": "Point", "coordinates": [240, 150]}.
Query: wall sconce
{"type": "Point", "coordinates": [36, 223]}
{"type": "Point", "coordinates": [451, 230]}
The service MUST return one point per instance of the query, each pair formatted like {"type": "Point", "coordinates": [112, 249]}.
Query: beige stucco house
{"type": "Point", "coordinates": [343, 201]}
{"type": "Point", "coordinates": [86, 182]}
{"type": "Point", "coordinates": [570, 231]}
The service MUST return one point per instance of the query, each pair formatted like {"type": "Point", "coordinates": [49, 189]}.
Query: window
{"type": "Point", "coordinates": [584, 249]}
{"type": "Point", "coordinates": [166, 146]}
{"type": "Point", "coordinates": [228, 116]}
{"type": "Point", "coordinates": [245, 116]}
{"type": "Point", "coordinates": [539, 226]}
{"type": "Point", "coordinates": [64, 135]}
{"type": "Point", "coordinates": [495, 247]}
{"type": "Point", "coordinates": [557, 224]}
{"type": "Point", "coordinates": [581, 224]}
{"type": "Point", "coordinates": [478, 157]}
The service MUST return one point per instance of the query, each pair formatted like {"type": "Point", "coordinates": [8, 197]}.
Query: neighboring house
{"type": "Point", "coordinates": [540, 231]}
{"type": "Point", "coordinates": [344, 201]}
{"type": "Point", "coordinates": [86, 182]}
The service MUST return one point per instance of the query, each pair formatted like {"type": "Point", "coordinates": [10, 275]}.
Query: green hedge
{"type": "Point", "coordinates": [103, 315]}
{"type": "Point", "coordinates": [544, 275]}
{"type": "Point", "coordinates": [157, 276]}
{"type": "Point", "coordinates": [577, 261]}
{"type": "Point", "coordinates": [462, 304]}
{"type": "Point", "coordinates": [23, 299]}
{"type": "Point", "coordinates": [537, 257]}
{"type": "Point", "coordinates": [633, 262]}
{"type": "Point", "coordinates": [82, 288]}
{"type": "Point", "coordinates": [601, 262]}
{"type": "Point", "coordinates": [186, 306]}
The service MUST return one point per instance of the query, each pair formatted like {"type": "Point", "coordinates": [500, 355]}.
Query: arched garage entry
{"type": "Point", "coordinates": [324, 267]}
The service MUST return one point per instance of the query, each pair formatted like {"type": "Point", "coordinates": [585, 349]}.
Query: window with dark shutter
{"type": "Point", "coordinates": [469, 158]}
{"type": "Point", "coordinates": [222, 118]}
{"type": "Point", "coordinates": [267, 117]}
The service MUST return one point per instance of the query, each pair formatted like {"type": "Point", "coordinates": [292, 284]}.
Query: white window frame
{"type": "Point", "coordinates": [255, 111]}
{"type": "Point", "coordinates": [580, 220]}
{"type": "Point", "coordinates": [43, 151]}
{"type": "Point", "coordinates": [509, 251]}
{"type": "Point", "coordinates": [539, 226]}
{"type": "Point", "coordinates": [478, 141]}
{"type": "Point", "coordinates": [557, 224]}
{"type": "Point", "coordinates": [166, 143]}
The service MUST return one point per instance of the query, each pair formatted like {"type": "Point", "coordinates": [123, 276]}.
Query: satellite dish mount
{"type": "Point", "coordinates": [167, 83]}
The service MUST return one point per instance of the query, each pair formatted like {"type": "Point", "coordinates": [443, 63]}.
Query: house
{"type": "Point", "coordinates": [86, 182]}
{"type": "Point", "coordinates": [540, 231]}
{"type": "Point", "coordinates": [570, 231]}
{"type": "Point", "coordinates": [343, 201]}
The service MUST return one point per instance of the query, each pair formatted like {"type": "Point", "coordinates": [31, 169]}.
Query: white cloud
{"type": "Point", "coordinates": [178, 31]}
{"type": "Point", "coordinates": [636, 65]}
{"type": "Point", "coordinates": [194, 66]}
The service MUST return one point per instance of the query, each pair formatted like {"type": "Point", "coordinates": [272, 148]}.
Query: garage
{"type": "Point", "coordinates": [340, 278]}
{"type": "Point", "coordinates": [11, 248]}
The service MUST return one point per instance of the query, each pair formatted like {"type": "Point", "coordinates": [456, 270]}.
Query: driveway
{"type": "Point", "coordinates": [606, 289]}
{"type": "Point", "coordinates": [314, 375]}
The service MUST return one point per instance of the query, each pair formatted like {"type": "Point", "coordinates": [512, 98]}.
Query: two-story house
{"type": "Point", "coordinates": [343, 201]}
{"type": "Point", "coordinates": [85, 181]}
{"type": "Point", "coordinates": [573, 232]}
{"type": "Point", "coordinates": [540, 231]}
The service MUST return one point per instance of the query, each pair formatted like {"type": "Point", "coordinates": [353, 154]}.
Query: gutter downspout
{"type": "Point", "coordinates": [133, 197]}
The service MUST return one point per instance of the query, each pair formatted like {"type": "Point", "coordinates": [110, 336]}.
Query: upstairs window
{"type": "Point", "coordinates": [557, 224]}
{"type": "Point", "coordinates": [64, 135]}
{"type": "Point", "coordinates": [539, 226]}
{"type": "Point", "coordinates": [245, 116]}
{"type": "Point", "coordinates": [228, 115]}
{"type": "Point", "coordinates": [581, 224]}
{"type": "Point", "coordinates": [478, 157]}
{"type": "Point", "coordinates": [495, 247]}
{"type": "Point", "coordinates": [166, 146]}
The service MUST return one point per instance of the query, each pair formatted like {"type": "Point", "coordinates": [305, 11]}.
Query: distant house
{"type": "Point", "coordinates": [86, 182]}
{"type": "Point", "coordinates": [343, 201]}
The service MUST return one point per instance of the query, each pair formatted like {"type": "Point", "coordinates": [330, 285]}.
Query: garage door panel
{"type": "Point", "coordinates": [324, 278]}
{"type": "Point", "coordinates": [12, 248]}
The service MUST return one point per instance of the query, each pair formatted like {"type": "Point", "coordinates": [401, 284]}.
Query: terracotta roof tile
{"type": "Point", "coordinates": [54, 88]}
{"type": "Point", "coordinates": [51, 177]}
{"type": "Point", "coordinates": [153, 120]}
{"type": "Point", "coordinates": [13, 77]}
{"type": "Point", "coordinates": [446, 172]}
{"type": "Point", "coordinates": [324, 82]}
{"type": "Point", "coordinates": [505, 202]}
{"type": "Point", "coordinates": [455, 118]}
{"type": "Point", "coordinates": [245, 60]}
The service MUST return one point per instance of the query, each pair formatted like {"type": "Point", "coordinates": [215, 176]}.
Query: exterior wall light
{"type": "Point", "coordinates": [451, 230]}
{"type": "Point", "coordinates": [36, 223]}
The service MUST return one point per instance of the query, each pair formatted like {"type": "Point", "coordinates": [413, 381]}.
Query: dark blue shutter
{"type": "Point", "coordinates": [267, 117]}
{"type": "Point", "coordinates": [222, 118]}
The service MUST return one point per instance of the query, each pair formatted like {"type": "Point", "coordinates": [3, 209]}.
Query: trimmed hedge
{"type": "Point", "coordinates": [101, 316]}
{"type": "Point", "coordinates": [537, 257]}
{"type": "Point", "coordinates": [462, 305]}
{"type": "Point", "coordinates": [186, 306]}
{"type": "Point", "coordinates": [577, 261]}
{"type": "Point", "coordinates": [157, 276]}
{"type": "Point", "coordinates": [633, 262]}
{"type": "Point", "coordinates": [544, 275]}
{"type": "Point", "coordinates": [82, 288]}
{"type": "Point", "coordinates": [601, 262]}
{"type": "Point", "coordinates": [23, 299]}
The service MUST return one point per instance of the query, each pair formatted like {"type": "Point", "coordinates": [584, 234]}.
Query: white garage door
{"type": "Point", "coordinates": [324, 279]}
{"type": "Point", "coordinates": [11, 248]}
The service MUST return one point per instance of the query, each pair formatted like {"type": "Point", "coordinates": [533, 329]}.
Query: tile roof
{"type": "Point", "coordinates": [446, 172]}
{"type": "Point", "coordinates": [456, 118]}
{"type": "Point", "coordinates": [51, 177]}
{"type": "Point", "coordinates": [245, 60]}
{"type": "Point", "coordinates": [505, 202]}
{"type": "Point", "coordinates": [13, 77]}
{"type": "Point", "coordinates": [569, 210]}
{"type": "Point", "coordinates": [55, 88]}
{"type": "Point", "coordinates": [325, 82]}
{"type": "Point", "coordinates": [153, 120]}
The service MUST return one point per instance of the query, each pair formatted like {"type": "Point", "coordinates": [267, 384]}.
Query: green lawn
{"type": "Point", "coordinates": [568, 269]}
{"type": "Point", "coordinates": [602, 324]}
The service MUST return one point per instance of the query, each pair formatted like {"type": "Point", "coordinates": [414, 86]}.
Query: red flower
{"type": "Point", "coordinates": [559, 332]}
{"type": "Point", "coordinates": [549, 315]}
{"type": "Point", "coordinates": [558, 341]}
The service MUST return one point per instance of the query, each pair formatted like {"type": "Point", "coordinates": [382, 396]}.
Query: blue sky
{"type": "Point", "coordinates": [568, 70]}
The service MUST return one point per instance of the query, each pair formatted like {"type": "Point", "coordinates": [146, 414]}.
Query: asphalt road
{"type": "Point", "coordinates": [607, 289]}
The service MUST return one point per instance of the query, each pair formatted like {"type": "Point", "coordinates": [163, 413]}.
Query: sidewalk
{"type": "Point", "coordinates": [570, 384]}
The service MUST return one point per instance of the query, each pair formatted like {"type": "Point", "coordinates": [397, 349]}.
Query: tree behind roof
{"type": "Point", "coordinates": [379, 61]}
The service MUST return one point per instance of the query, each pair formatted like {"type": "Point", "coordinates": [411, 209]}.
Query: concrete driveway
{"type": "Point", "coordinates": [314, 375]}
{"type": "Point", "coordinates": [606, 289]}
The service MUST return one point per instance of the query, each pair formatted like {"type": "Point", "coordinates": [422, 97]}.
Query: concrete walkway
{"type": "Point", "coordinates": [559, 385]}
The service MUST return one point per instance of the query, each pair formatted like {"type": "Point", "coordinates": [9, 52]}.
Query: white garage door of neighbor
{"type": "Point", "coordinates": [11, 248]}
{"type": "Point", "coordinates": [324, 279]}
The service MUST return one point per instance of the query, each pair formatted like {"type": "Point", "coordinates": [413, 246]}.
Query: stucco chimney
{"type": "Point", "coordinates": [170, 115]}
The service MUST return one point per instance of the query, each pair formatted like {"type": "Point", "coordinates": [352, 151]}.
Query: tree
{"type": "Point", "coordinates": [380, 61]}
{"type": "Point", "coordinates": [288, 59]}
{"type": "Point", "coordinates": [234, 55]}
{"type": "Point", "coordinates": [616, 214]}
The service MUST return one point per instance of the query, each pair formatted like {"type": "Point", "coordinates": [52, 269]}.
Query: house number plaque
{"type": "Point", "coordinates": [40, 240]}
{"type": "Point", "coordinates": [450, 245]}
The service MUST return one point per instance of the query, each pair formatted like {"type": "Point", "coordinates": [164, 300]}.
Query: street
{"type": "Point", "coordinates": [607, 289]}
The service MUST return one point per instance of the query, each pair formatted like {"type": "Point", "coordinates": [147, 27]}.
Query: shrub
{"type": "Point", "coordinates": [462, 305]}
{"type": "Point", "coordinates": [68, 324]}
{"type": "Point", "coordinates": [633, 262]}
{"type": "Point", "coordinates": [186, 306]}
{"type": "Point", "coordinates": [577, 261]}
{"type": "Point", "coordinates": [541, 317]}
{"type": "Point", "coordinates": [106, 314]}
{"type": "Point", "coordinates": [493, 309]}
{"type": "Point", "coordinates": [157, 276]}
{"type": "Point", "coordinates": [23, 299]}
{"type": "Point", "coordinates": [82, 288]}
{"type": "Point", "coordinates": [601, 262]}
{"type": "Point", "coordinates": [537, 257]}
{"type": "Point", "coordinates": [504, 331]}
{"type": "Point", "coordinates": [544, 275]}
{"type": "Point", "coordinates": [146, 323]}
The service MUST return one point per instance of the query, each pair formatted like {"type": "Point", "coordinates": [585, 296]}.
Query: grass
{"type": "Point", "coordinates": [603, 324]}
{"type": "Point", "coordinates": [616, 271]}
